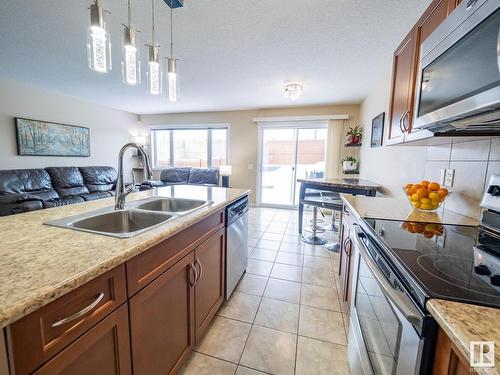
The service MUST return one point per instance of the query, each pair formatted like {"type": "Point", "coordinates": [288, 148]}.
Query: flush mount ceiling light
{"type": "Point", "coordinates": [293, 90]}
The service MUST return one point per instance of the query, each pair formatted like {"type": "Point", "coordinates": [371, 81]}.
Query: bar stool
{"type": "Point", "coordinates": [328, 200]}
{"type": "Point", "coordinates": [313, 238]}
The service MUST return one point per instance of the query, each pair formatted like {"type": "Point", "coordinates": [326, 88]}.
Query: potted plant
{"type": "Point", "coordinates": [354, 134]}
{"type": "Point", "coordinates": [349, 163]}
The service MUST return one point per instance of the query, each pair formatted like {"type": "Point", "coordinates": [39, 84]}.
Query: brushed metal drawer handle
{"type": "Point", "coordinates": [195, 272]}
{"type": "Point", "coordinates": [200, 273]}
{"type": "Point", "coordinates": [80, 313]}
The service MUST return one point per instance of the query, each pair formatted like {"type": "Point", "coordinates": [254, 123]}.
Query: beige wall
{"type": "Point", "coordinates": [109, 129]}
{"type": "Point", "coordinates": [390, 166]}
{"type": "Point", "coordinates": [243, 142]}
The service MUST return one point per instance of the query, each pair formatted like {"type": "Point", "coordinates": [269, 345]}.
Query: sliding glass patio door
{"type": "Point", "coordinates": [288, 153]}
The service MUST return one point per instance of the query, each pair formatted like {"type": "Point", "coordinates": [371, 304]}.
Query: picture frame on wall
{"type": "Point", "coordinates": [41, 138]}
{"type": "Point", "coordinates": [377, 130]}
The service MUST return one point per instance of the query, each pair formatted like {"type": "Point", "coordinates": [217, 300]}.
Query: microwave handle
{"type": "Point", "coordinates": [403, 303]}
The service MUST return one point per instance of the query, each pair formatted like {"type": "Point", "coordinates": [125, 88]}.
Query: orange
{"type": "Point", "coordinates": [424, 183]}
{"type": "Point", "coordinates": [414, 197]}
{"type": "Point", "coordinates": [428, 234]}
{"type": "Point", "coordinates": [416, 204]}
{"type": "Point", "coordinates": [434, 196]}
{"type": "Point", "coordinates": [442, 192]}
{"type": "Point", "coordinates": [422, 193]}
{"type": "Point", "coordinates": [434, 186]}
{"type": "Point", "coordinates": [408, 191]}
{"type": "Point", "coordinates": [408, 186]}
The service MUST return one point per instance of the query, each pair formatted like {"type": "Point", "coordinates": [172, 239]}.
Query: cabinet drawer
{"type": "Point", "coordinates": [37, 337]}
{"type": "Point", "coordinates": [147, 266]}
{"type": "Point", "coordinates": [105, 349]}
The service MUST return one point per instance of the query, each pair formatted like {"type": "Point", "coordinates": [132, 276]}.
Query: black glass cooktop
{"type": "Point", "coordinates": [443, 261]}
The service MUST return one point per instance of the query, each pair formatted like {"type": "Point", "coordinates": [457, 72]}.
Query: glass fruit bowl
{"type": "Point", "coordinates": [426, 196]}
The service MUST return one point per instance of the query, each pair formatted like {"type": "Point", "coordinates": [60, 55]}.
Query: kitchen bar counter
{"type": "Point", "coordinates": [399, 209]}
{"type": "Point", "coordinates": [464, 323]}
{"type": "Point", "coordinates": [39, 263]}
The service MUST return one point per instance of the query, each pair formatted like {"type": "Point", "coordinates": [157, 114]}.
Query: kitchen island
{"type": "Point", "coordinates": [42, 265]}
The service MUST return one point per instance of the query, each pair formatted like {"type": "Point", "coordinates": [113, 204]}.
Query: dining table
{"type": "Point", "coordinates": [354, 186]}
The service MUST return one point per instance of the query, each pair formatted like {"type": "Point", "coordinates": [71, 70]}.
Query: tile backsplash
{"type": "Point", "coordinates": [474, 162]}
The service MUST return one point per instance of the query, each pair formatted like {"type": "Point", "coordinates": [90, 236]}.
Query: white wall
{"type": "Point", "coordinates": [109, 128]}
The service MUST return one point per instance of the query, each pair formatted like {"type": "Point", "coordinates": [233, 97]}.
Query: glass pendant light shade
{"type": "Point", "coordinates": [131, 63]}
{"type": "Point", "coordinates": [154, 74]}
{"type": "Point", "coordinates": [173, 81]}
{"type": "Point", "coordinates": [98, 41]}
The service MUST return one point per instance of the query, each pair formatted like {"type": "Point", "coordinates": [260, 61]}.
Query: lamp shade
{"type": "Point", "coordinates": [225, 170]}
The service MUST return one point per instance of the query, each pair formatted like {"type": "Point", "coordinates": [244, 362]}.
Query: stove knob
{"type": "Point", "coordinates": [482, 270]}
{"type": "Point", "coordinates": [494, 190]}
{"type": "Point", "coordinates": [495, 280]}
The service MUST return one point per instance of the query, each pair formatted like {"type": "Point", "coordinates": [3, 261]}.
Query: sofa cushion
{"type": "Point", "coordinates": [27, 184]}
{"type": "Point", "coordinates": [67, 181]}
{"type": "Point", "coordinates": [204, 176]}
{"type": "Point", "coordinates": [175, 175]}
{"type": "Point", "coordinates": [62, 202]}
{"type": "Point", "coordinates": [17, 208]}
{"type": "Point", "coordinates": [96, 195]}
{"type": "Point", "coordinates": [99, 178]}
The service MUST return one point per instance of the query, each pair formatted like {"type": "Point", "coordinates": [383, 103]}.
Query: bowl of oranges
{"type": "Point", "coordinates": [426, 195]}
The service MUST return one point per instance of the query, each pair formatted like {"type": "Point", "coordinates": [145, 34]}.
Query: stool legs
{"type": "Point", "coordinates": [333, 246]}
{"type": "Point", "coordinates": [314, 239]}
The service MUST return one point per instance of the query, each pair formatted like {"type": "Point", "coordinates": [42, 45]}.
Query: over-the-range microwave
{"type": "Point", "coordinates": [458, 85]}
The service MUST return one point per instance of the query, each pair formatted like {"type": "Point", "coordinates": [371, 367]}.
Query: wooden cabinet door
{"type": "Point", "coordinates": [103, 350]}
{"type": "Point", "coordinates": [403, 78]}
{"type": "Point", "coordinates": [447, 359]}
{"type": "Point", "coordinates": [161, 320]}
{"type": "Point", "coordinates": [209, 288]}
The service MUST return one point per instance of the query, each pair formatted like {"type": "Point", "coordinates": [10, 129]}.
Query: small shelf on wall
{"type": "Point", "coordinates": [352, 145]}
{"type": "Point", "coordinates": [351, 172]}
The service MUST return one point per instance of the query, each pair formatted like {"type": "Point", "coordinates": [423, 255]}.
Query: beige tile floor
{"type": "Point", "coordinates": [285, 316]}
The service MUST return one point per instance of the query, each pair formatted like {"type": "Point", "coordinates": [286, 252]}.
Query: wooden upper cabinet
{"type": "Point", "coordinates": [403, 72]}
{"type": "Point", "coordinates": [104, 349]}
{"type": "Point", "coordinates": [209, 288]}
{"type": "Point", "coordinates": [162, 320]}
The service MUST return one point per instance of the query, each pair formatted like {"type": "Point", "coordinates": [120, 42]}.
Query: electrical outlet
{"type": "Point", "coordinates": [442, 173]}
{"type": "Point", "coordinates": [448, 178]}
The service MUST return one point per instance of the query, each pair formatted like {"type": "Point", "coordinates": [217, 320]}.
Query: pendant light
{"type": "Point", "coordinates": [154, 73]}
{"type": "Point", "coordinates": [131, 65]}
{"type": "Point", "coordinates": [98, 40]}
{"type": "Point", "coordinates": [173, 84]}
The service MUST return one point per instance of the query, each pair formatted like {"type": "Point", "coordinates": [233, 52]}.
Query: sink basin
{"type": "Point", "coordinates": [123, 224]}
{"type": "Point", "coordinates": [173, 205]}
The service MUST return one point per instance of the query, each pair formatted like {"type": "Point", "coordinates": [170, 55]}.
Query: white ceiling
{"type": "Point", "coordinates": [234, 54]}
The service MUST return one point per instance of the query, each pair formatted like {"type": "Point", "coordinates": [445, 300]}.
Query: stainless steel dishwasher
{"type": "Point", "coordinates": [236, 243]}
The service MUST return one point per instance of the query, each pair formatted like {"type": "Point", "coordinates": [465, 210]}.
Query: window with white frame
{"type": "Point", "coordinates": [189, 146]}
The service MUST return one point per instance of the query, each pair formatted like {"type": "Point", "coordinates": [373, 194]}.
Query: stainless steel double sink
{"type": "Point", "coordinates": [138, 217]}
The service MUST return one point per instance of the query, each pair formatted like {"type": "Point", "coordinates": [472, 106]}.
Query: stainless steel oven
{"type": "Point", "coordinates": [385, 325]}
{"type": "Point", "coordinates": [458, 86]}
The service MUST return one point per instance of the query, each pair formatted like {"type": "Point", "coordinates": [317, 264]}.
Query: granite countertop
{"type": "Point", "coordinates": [342, 182]}
{"type": "Point", "coordinates": [399, 209]}
{"type": "Point", "coordinates": [464, 323]}
{"type": "Point", "coordinates": [39, 263]}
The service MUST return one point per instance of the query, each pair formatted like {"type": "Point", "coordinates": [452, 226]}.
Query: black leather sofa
{"type": "Point", "coordinates": [185, 176]}
{"type": "Point", "coordinates": [23, 190]}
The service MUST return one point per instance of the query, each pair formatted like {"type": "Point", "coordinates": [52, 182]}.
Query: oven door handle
{"type": "Point", "coordinates": [402, 302]}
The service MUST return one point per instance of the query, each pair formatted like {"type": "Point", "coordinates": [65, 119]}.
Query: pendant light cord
{"type": "Point", "coordinates": [171, 29]}
{"type": "Point", "coordinates": [129, 14]}
{"type": "Point", "coordinates": [153, 20]}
